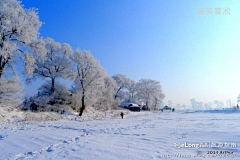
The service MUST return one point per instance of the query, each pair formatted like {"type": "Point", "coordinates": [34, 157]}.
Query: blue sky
{"type": "Point", "coordinates": [192, 55]}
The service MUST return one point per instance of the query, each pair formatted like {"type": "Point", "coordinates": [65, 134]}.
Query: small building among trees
{"type": "Point", "coordinates": [166, 108]}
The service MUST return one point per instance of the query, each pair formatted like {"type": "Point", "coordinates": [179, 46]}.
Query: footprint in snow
{"type": "Point", "coordinates": [30, 153]}
{"type": "Point", "coordinates": [136, 134]}
{"type": "Point", "coordinates": [145, 139]}
{"type": "Point", "coordinates": [49, 149]}
{"type": "Point", "coordinates": [64, 142]}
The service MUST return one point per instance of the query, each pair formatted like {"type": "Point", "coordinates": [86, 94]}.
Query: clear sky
{"type": "Point", "coordinates": [192, 55]}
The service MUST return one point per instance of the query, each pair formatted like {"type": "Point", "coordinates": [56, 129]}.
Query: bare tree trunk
{"type": "Point", "coordinates": [155, 105]}
{"type": "Point", "coordinates": [83, 105]}
{"type": "Point", "coordinates": [117, 92]}
{"type": "Point", "coordinates": [2, 65]}
{"type": "Point", "coordinates": [53, 83]}
{"type": "Point", "coordinates": [147, 105]}
{"type": "Point", "coordinates": [1, 71]}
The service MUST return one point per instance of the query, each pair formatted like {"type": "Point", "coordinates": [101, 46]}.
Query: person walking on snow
{"type": "Point", "coordinates": [122, 115]}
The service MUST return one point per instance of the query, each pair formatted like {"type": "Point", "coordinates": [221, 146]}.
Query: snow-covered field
{"type": "Point", "coordinates": [138, 136]}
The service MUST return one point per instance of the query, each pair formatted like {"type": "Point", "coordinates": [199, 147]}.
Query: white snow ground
{"type": "Point", "coordinates": [141, 136]}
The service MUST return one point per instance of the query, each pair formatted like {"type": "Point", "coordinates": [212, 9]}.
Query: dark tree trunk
{"type": "Point", "coordinates": [3, 62]}
{"type": "Point", "coordinates": [1, 71]}
{"type": "Point", "coordinates": [83, 105]}
{"type": "Point", "coordinates": [117, 92]}
{"type": "Point", "coordinates": [53, 83]}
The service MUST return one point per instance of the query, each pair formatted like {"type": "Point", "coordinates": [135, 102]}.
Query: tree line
{"type": "Point", "coordinates": [46, 59]}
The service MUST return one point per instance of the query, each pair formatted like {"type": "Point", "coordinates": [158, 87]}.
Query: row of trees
{"type": "Point", "coordinates": [51, 60]}
{"type": "Point", "coordinates": [197, 105]}
{"type": "Point", "coordinates": [146, 91]}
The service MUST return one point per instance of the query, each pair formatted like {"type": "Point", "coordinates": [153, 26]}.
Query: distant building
{"type": "Point", "coordinates": [166, 108]}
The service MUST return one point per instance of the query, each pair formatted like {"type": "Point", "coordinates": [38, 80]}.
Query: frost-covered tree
{"type": "Point", "coordinates": [89, 78]}
{"type": "Point", "coordinates": [178, 106]}
{"type": "Point", "coordinates": [181, 107]}
{"type": "Point", "coordinates": [131, 86]}
{"type": "Point", "coordinates": [58, 101]}
{"type": "Point", "coordinates": [55, 64]}
{"type": "Point", "coordinates": [219, 104]}
{"type": "Point", "coordinates": [108, 93]}
{"type": "Point", "coordinates": [229, 103]}
{"type": "Point", "coordinates": [238, 98]}
{"type": "Point", "coordinates": [196, 105]}
{"type": "Point", "coordinates": [18, 28]}
{"type": "Point", "coordinates": [150, 93]}
{"type": "Point", "coordinates": [9, 91]}
{"type": "Point", "coordinates": [122, 83]}
{"type": "Point", "coordinates": [184, 107]}
{"type": "Point", "coordinates": [60, 95]}
{"type": "Point", "coordinates": [158, 96]}
{"type": "Point", "coordinates": [170, 104]}
{"type": "Point", "coordinates": [208, 106]}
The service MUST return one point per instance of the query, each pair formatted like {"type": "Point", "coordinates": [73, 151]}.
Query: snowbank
{"type": "Point", "coordinates": [90, 113]}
